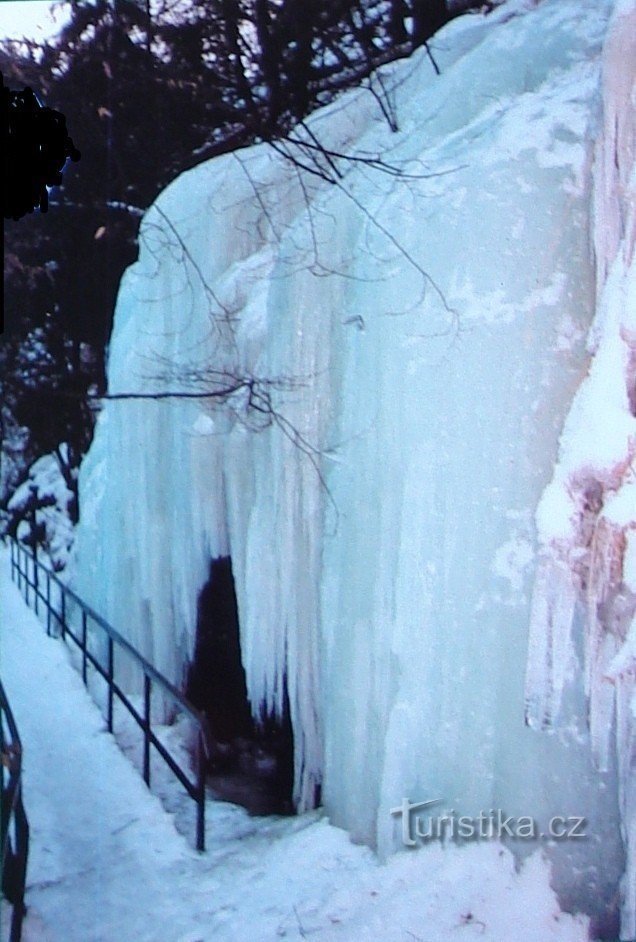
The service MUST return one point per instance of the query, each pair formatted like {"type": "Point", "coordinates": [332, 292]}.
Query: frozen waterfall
{"type": "Point", "coordinates": [392, 358]}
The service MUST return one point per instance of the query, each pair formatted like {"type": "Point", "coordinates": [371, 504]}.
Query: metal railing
{"type": "Point", "coordinates": [35, 581]}
{"type": "Point", "coordinates": [14, 826]}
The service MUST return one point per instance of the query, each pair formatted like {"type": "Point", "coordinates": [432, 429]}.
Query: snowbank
{"type": "Point", "coordinates": [404, 352]}
{"type": "Point", "coordinates": [46, 500]}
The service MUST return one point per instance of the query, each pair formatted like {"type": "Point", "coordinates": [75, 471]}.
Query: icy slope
{"type": "Point", "coordinates": [426, 335]}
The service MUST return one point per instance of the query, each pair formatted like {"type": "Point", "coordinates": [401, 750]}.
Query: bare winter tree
{"type": "Point", "coordinates": [155, 89]}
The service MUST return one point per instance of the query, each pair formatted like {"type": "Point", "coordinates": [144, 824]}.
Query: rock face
{"type": "Point", "coordinates": [392, 356]}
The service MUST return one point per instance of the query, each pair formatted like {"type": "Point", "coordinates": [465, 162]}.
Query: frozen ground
{"type": "Point", "coordinates": [107, 864]}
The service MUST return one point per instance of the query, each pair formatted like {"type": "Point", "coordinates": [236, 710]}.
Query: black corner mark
{"type": "Point", "coordinates": [35, 148]}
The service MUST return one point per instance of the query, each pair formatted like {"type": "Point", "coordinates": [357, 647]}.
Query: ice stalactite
{"type": "Point", "coordinates": [587, 517]}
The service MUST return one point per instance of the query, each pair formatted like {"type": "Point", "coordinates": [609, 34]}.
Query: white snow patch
{"type": "Point", "coordinates": [46, 499]}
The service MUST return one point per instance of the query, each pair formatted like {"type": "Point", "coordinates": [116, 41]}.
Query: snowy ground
{"type": "Point", "coordinates": [108, 865]}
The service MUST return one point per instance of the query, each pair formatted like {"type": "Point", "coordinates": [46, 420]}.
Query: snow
{"type": "Point", "coordinates": [106, 861]}
{"type": "Point", "coordinates": [426, 338]}
{"type": "Point", "coordinates": [47, 494]}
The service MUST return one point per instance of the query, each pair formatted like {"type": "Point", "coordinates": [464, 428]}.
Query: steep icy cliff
{"type": "Point", "coordinates": [404, 350]}
{"type": "Point", "coordinates": [587, 516]}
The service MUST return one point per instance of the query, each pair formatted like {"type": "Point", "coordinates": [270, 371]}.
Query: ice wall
{"type": "Point", "coordinates": [587, 516]}
{"type": "Point", "coordinates": [404, 350]}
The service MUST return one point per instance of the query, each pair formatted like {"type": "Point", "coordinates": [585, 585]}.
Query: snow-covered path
{"type": "Point", "coordinates": [98, 835]}
{"type": "Point", "coordinates": [107, 864]}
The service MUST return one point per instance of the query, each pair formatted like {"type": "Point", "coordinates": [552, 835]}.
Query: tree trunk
{"type": "Point", "coordinates": [397, 26]}
{"type": "Point", "coordinates": [269, 62]}
{"type": "Point", "coordinates": [428, 17]}
{"type": "Point", "coordinates": [232, 15]}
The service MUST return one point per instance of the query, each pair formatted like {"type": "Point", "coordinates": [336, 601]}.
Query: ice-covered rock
{"type": "Point", "coordinates": [587, 516]}
{"type": "Point", "coordinates": [388, 361]}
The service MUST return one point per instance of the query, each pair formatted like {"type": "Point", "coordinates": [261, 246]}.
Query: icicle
{"type": "Point", "coordinates": [610, 604]}
{"type": "Point", "coordinates": [550, 646]}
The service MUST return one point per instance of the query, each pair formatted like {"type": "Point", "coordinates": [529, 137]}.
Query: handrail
{"type": "Point", "coordinates": [15, 851]}
{"type": "Point", "coordinates": [20, 559]}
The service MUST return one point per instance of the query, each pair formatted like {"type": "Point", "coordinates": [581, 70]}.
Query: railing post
{"type": "Point", "coordinates": [48, 603]}
{"type": "Point", "coordinates": [111, 678]}
{"type": "Point", "coordinates": [22, 853]}
{"type": "Point", "coordinates": [36, 583]}
{"type": "Point", "coordinates": [147, 729]}
{"type": "Point", "coordinates": [200, 792]}
{"type": "Point", "coordinates": [84, 643]}
{"type": "Point", "coordinates": [63, 614]}
{"type": "Point", "coordinates": [14, 846]}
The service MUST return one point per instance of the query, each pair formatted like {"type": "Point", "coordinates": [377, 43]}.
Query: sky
{"type": "Point", "coordinates": [31, 18]}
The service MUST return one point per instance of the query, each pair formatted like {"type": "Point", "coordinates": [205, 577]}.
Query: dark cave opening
{"type": "Point", "coordinates": [252, 762]}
